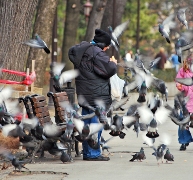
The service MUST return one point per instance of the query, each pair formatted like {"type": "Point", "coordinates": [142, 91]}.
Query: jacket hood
{"type": "Point", "coordinates": [76, 52]}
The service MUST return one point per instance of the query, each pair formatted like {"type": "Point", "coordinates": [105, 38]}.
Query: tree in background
{"type": "Point", "coordinates": [15, 27]}
{"type": "Point", "coordinates": [95, 18]}
{"type": "Point", "coordinates": [43, 26]}
{"type": "Point", "coordinates": [70, 30]}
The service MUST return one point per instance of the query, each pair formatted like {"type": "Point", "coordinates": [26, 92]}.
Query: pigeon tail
{"type": "Point", "coordinates": [168, 40]}
{"type": "Point", "coordinates": [47, 50]}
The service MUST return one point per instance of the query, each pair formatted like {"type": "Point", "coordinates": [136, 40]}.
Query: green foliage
{"type": "Point", "coordinates": [147, 21]}
{"type": "Point", "coordinates": [61, 13]}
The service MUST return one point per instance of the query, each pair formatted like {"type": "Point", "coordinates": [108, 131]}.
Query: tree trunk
{"type": "Point", "coordinates": [43, 27]}
{"type": "Point", "coordinates": [112, 17]}
{"type": "Point", "coordinates": [70, 31]}
{"type": "Point", "coordinates": [15, 27]}
{"type": "Point", "coordinates": [95, 18]}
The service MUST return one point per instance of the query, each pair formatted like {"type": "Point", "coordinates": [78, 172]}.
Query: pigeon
{"type": "Point", "coordinates": [179, 114]}
{"type": "Point", "coordinates": [142, 83]}
{"type": "Point", "coordinates": [19, 164]}
{"type": "Point", "coordinates": [65, 157]}
{"type": "Point", "coordinates": [182, 16]}
{"type": "Point", "coordinates": [17, 130]}
{"type": "Point", "coordinates": [154, 102]}
{"type": "Point", "coordinates": [87, 130]}
{"type": "Point", "coordinates": [138, 156]}
{"type": "Point", "coordinates": [37, 43]}
{"type": "Point", "coordinates": [159, 152]}
{"type": "Point", "coordinates": [116, 33]}
{"type": "Point", "coordinates": [168, 156]}
{"type": "Point", "coordinates": [15, 162]}
{"type": "Point", "coordinates": [103, 143]}
{"type": "Point", "coordinates": [160, 86]}
{"type": "Point", "coordinates": [165, 26]}
{"type": "Point", "coordinates": [185, 81]}
{"type": "Point", "coordinates": [183, 43]}
{"type": "Point", "coordinates": [153, 120]}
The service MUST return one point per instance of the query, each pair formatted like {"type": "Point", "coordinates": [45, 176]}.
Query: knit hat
{"type": "Point", "coordinates": [102, 37]}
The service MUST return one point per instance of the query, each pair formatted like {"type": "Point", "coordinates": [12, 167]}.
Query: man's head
{"type": "Point", "coordinates": [102, 37]}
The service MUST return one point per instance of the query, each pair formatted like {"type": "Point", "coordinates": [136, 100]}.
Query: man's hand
{"type": "Point", "coordinates": [113, 59]}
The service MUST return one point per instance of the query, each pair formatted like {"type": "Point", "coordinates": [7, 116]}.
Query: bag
{"type": "Point", "coordinates": [117, 85]}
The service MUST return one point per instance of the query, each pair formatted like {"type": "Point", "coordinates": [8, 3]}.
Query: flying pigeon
{"type": "Point", "coordinates": [104, 145]}
{"type": "Point", "coordinates": [116, 33]}
{"type": "Point", "coordinates": [165, 26]}
{"type": "Point", "coordinates": [153, 120]}
{"type": "Point", "coordinates": [37, 43]}
{"type": "Point", "coordinates": [182, 16]}
{"type": "Point", "coordinates": [183, 43]}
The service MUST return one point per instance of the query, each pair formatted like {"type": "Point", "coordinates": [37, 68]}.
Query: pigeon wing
{"type": "Point", "coordinates": [120, 29]}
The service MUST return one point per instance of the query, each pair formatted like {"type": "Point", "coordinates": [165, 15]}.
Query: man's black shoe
{"type": "Point", "coordinates": [187, 144]}
{"type": "Point", "coordinates": [100, 158]}
{"type": "Point", "coordinates": [183, 147]}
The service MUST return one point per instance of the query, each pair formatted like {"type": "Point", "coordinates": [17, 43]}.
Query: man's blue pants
{"type": "Point", "coordinates": [88, 152]}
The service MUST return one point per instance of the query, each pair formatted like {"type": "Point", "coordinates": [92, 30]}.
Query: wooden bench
{"type": "Point", "coordinates": [58, 98]}
{"type": "Point", "coordinates": [40, 108]}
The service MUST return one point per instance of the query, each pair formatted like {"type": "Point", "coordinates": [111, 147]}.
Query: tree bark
{"type": "Point", "coordinates": [70, 30]}
{"type": "Point", "coordinates": [15, 27]}
{"type": "Point", "coordinates": [43, 27]}
{"type": "Point", "coordinates": [113, 17]}
{"type": "Point", "coordinates": [95, 18]}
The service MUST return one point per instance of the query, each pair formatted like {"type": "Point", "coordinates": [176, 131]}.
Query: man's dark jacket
{"type": "Point", "coordinates": [95, 70]}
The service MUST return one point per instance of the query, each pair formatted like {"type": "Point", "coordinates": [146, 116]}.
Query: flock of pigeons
{"type": "Point", "coordinates": [57, 139]}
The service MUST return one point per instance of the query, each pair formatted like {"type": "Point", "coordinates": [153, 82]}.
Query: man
{"type": "Point", "coordinates": [163, 59]}
{"type": "Point", "coordinates": [93, 83]}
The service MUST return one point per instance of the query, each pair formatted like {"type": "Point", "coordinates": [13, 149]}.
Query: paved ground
{"type": "Point", "coordinates": [119, 167]}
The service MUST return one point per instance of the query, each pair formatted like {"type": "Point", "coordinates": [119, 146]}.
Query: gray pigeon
{"type": "Point", "coordinates": [116, 33]}
{"type": "Point", "coordinates": [104, 145]}
{"type": "Point", "coordinates": [182, 16]}
{"type": "Point", "coordinates": [37, 43]}
{"type": "Point", "coordinates": [65, 157]}
{"type": "Point", "coordinates": [168, 156]}
{"type": "Point", "coordinates": [138, 156]}
{"type": "Point", "coordinates": [185, 81]}
{"type": "Point", "coordinates": [19, 164]}
{"type": "Point", "coordinates": [165, 26]}
{"type": "Point", "coordinates": [160, 86]}
{"type": "Point", "coordinates": [159, 152]}
{"type": "Point", "coordinates": [183, 43]}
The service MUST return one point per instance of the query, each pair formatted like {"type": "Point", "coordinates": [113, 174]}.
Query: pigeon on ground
{"type": "Point", "coordinates": [139, 156]}
{"type": "Point", "coordinates": [165, 26]}
{"type": "Point", "coordinates": [182, 16]}
{"type": "Point", "coordinates": [168, 156]}
{"type": "Point", "coordinates": [65, 157]}
{"type": "Point", "coordinates": [37, 43]}
{"type": "Point", "coordinates": [15, 162]}
{"type": "Point", "coordinates": [116, 33]}
{"type": "Point", "coordinates": [159, 152]}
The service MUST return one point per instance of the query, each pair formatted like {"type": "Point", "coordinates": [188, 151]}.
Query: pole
{"type": "Point", "coordinates": [138, 25]}
{"type": "Point", "coordinates": [54, 55]}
